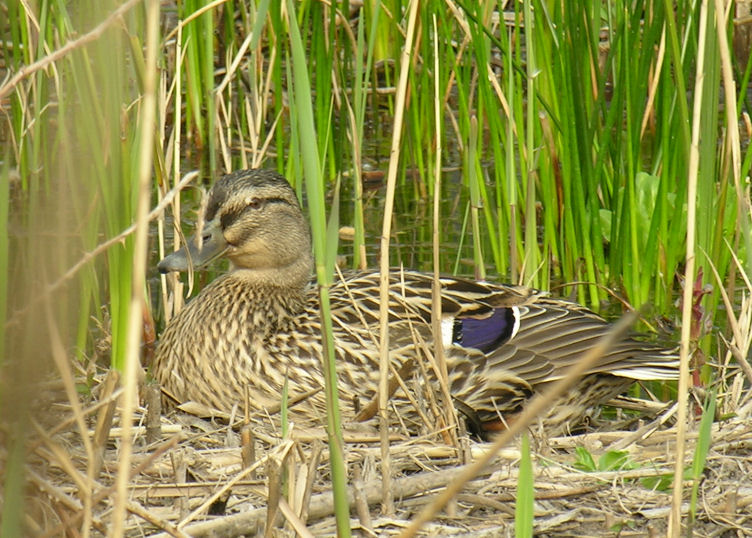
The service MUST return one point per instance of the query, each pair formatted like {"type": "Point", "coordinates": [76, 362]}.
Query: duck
{"type": "Point", "coordinates": [256, 330]}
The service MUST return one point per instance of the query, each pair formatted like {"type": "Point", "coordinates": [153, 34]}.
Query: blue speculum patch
{"type": "Point", "coordinates": [484, 334]}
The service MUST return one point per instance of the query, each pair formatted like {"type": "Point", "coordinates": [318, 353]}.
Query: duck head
{"type": "Point", "coordinates": [253, 218]}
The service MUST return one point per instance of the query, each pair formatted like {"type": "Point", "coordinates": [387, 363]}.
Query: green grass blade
{"type": "Point", "coordinates": [315, 189]}
{"type": "Point", "coordinates": [525, 499]}
{"type": "Point", "coordinates": [704, 438]}
{"type": "Point", "coordinates": [532, 253]}
{"type": "Point", "coordinates": [476, 202]}
{"type": "Point", "coordinates": [13, 481]}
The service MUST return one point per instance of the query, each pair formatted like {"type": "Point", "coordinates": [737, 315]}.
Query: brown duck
{"type": "Point", "coordinates": [259, 325]}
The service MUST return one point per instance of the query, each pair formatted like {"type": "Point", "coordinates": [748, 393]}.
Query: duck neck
{"type": "Point", "coordinates": [290, 279]}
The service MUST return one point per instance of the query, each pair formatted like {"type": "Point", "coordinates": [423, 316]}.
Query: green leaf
{"type": "Point", "coordinates": [658, 483]}
{"type": "Point", "coordinates": [584, 461]}
{"type": "Point", "coordinates": [701, 450]}
{"type": "Point", "coordinates": [615, 460]}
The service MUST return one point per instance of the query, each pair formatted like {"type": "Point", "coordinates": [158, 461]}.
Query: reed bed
{"type": "Point", "coordinates": [596, 149]}
{"type": "Point", "coordinates": [198, 481]}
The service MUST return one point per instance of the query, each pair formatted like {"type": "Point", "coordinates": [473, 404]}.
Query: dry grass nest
{"type": "Point", "coordinates": [192, 476]}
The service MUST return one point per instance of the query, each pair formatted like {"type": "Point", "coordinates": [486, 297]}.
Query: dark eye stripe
{"type": "Point", "coordinates": [231, 216]}
{"type": "Point", "coordinates": [212, 208]}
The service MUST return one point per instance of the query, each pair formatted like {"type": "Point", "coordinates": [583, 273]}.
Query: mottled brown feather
{"type": "Point", "coordinates": [259, 323]}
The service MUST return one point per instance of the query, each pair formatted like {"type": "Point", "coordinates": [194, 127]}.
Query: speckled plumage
{"type": "Point", "coordinates": [259, 323]}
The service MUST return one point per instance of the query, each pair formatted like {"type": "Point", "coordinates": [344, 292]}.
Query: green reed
{"type": "Point", "coordinates": [96, 101]}
{"type": "Point", "coordinates": [199, 74]}
{"type": "Point", "coordinates": [312, 149]}
{"type": "Point", "coordinates": [704, 440]}
{"type": "Point", "coordinates": [13, 482]}
{"type": "Point", "coordinates": [524, 506]}
{"type": "Point", "coordinates": [72, 152]}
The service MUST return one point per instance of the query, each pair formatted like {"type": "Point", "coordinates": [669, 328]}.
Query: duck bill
{"type": "Point", "coordinates": [213, 246]}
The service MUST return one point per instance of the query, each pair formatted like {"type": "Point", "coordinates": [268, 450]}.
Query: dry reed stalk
{"type": "Point", "coordinates": [297, 524]}
{"type": "Point", "coordinates": [63, 365]}
{"type": "Point", "coordinates": [739, 346]}
{"type": "Point", "coordinates": [140, 256]}
{"type": "Point", "coordinates": [439, 360]}
{"type": "Point", "coordinates": [138, 510]}
{"type": "Point", "coordinates": [106, 492]}
{"type": "Point", "coordinates": [104, 420]}
{"type": "Point", "coordinates": [674, 524]}
{"type": "Point", "coordinates": [391, 181]}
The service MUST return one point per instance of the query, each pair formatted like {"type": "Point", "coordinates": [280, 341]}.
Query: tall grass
{"type": "Point", "coordinates": [569, 124]}
{"type": "Point", "coordinates": [71, 144]}
{"type": "Point", "coordinates": [325, 251]}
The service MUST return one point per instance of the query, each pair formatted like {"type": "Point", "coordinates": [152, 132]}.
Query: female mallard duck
{"type": "Point", "coordinates": [259, 324]}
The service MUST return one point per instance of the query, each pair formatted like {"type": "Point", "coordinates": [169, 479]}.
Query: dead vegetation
{"type": "Point", "coordinates": [200, 477]}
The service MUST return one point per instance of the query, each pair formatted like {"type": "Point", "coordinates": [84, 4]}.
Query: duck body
{"type": "Point", "coordinates": [258, 326]}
